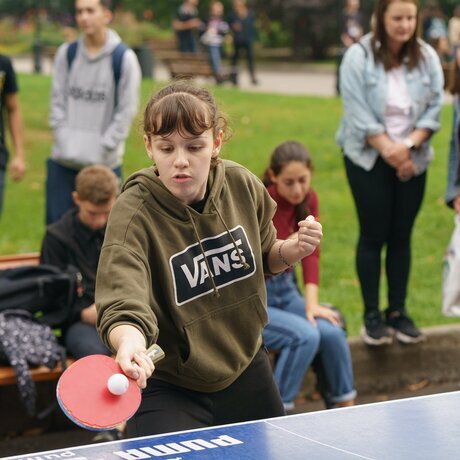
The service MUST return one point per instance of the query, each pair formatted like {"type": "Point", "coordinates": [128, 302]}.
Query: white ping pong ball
{"type": "Point", "coordinates": [118, 384]}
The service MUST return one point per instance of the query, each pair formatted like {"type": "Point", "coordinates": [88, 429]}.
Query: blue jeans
{"type": "Point", "coordinates": [82, 339]}
{"type": "Point", "coordinates": [215, 58]}
{"type": "Point", "coordinates": [2, 187]}
{"type": "Point", "coordinates": [298, 341]}
{"type": "Point", "coordinates": [60, 183]}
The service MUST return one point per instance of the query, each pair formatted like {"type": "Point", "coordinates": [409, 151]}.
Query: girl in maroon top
{"type": "Point", "coordinates": [300, 328]}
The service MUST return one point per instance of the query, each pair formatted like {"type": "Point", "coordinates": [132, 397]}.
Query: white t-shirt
{"type": "Point", "coordinates": [398, 120]}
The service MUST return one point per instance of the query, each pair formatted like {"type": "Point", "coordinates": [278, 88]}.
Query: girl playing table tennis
{"type": "Point", "coordinates": [186, 248]}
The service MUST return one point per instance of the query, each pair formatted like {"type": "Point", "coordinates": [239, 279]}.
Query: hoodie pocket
{"type": "Point", "coordinates": [222, 342]}
{"type": "Point", "coordinates": [79, 147]}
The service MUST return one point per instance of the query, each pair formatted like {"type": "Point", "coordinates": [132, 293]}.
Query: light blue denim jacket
{"type": "Point", "coordinates": [363, 87]}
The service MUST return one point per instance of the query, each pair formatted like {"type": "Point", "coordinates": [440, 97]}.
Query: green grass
{"type": "Point", "coordinates": [259, 122]}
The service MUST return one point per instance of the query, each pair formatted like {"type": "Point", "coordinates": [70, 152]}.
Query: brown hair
{"type": "Point", "coordinates": [184, 108]}
{"type": "Point", "coordinates": [97, 184]}
{"type": "Point", "coordinates": [284, 154]}
{"type": "Point", "coordinates": [106, 4]}
{"type": "Point", "coordinates": [411, 49]}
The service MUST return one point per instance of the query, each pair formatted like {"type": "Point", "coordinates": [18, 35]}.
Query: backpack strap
{"type": "Point", "coordinates": [117, 61]}
{"type": "Point", "coordinates": [71, 53]}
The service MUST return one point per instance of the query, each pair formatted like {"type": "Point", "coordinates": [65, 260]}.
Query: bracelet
{"type": "Point", "coordinates": [285, 262]}
{"type": "Point", "coordinates": [410, 144]}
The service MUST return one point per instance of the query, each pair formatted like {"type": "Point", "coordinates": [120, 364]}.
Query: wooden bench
{"type": "Point", "coordinates": [179, 64]}
{"type": "Point", "coordinates": [163, 47]}
{"type": "Point", "coordinates": [41, 373]}
{"type": "Point", "coordinates": [190, 65]}
{"type": "Point", "coordinates": [38, 374]}
{"type": "Point", "coordinates": [17, 260]}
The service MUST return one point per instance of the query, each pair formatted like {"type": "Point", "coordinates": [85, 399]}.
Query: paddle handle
{"type": "Point", "coordinates": [155, 353]}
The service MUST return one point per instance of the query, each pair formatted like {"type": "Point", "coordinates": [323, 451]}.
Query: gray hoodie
{"type": "Point", "coordinates": [88, 128]}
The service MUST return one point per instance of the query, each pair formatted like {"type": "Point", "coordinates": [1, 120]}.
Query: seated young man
{"type": "Point", "coordinates": [76, 239]}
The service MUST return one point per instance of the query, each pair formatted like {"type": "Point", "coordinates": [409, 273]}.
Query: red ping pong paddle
{"type": "Point", "coordinates": [83, 394]}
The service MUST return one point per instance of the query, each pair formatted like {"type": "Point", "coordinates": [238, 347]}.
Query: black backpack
{"type": "Point", "coordinates": [40, 289]}
{"type": "Point", "coordinates": [117, 61]}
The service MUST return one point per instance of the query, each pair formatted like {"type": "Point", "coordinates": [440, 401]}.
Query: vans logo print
{"type": "Point", "coordinates": [189, 271]}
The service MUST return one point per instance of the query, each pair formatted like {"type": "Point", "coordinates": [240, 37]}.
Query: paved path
{"type": "Point", "coordinates": [278, 78]}
{"type": "Point", "coordinates": [295, 79]}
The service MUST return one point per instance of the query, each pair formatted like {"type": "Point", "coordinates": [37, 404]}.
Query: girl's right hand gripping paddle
{"type": "Point", "coordinates": [90, 400]}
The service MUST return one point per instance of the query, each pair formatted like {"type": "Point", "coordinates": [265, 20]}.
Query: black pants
{"type": "Point", "coordinates": [386, 209]}
{"type": "Point", "coordinates": [247, 47]}
{"type": "Point", "coordinates": [166, 407]}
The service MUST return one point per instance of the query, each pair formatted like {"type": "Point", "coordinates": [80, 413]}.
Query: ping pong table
{"type": "Point", "coordinates": [426, 427]}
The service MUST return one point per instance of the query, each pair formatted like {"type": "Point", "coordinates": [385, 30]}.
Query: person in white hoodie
{"type": "Point", "coordinates": [93, 103]}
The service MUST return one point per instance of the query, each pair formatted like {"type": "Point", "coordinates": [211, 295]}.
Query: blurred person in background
{"type": "Point", "coordinates": [452, 196]}
{"type": "Point", "coordinates": [214, 30]}
{"type": "Point", "coordinates": [352, 31]}
{"type": "Point", "coordinates": [95, 97]}
{"type": "Point", "coordinates": [186, 24]}
{"type": "Point", "coordinates": [435, 29]}
{"type": "Point", "coordinates": [242, 25]}
{"type": "Point", "coordinates": [9, 104]}
{"type": "Point", "coordinates": [453, 29]}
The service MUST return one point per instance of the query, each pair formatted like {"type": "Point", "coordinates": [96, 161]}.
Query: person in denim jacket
{"type": "Point", "coordinates": [392, 92]}
{"type": "Point", "coordinates": [452, 196]}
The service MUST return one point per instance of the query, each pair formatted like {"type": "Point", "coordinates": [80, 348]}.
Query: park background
{"type": "Point", "coordinates": [297, 29]}
{"type": "Point", "coordinates": [259, 122]}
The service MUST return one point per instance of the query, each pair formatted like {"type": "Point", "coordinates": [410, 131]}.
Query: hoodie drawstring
{"type": "Point", "coordinates": [197, 236]}
{"type": "Point", "coordinates": [243, 262]}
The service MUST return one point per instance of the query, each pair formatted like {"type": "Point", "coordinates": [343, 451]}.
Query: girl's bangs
{"type": "Point", "coordinates": [182, 113]}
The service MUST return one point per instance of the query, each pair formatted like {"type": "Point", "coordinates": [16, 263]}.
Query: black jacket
{"type": "Point", "coordinates": [69, 242]}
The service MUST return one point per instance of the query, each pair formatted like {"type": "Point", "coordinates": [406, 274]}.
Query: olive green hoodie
{"type": "Point", "coordinates": [193, 282]}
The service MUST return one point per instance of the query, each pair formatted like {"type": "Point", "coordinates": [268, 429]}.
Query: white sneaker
{"type": "Point", "coordinates": [288, 405]}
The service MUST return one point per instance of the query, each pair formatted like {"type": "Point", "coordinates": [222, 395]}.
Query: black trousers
{"type": "Point", "coordinates": [166, 407]}
{"type": "Point", "coordinates": [247, 47]}
{"type": "Point", "coordinates": [386, 209]}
